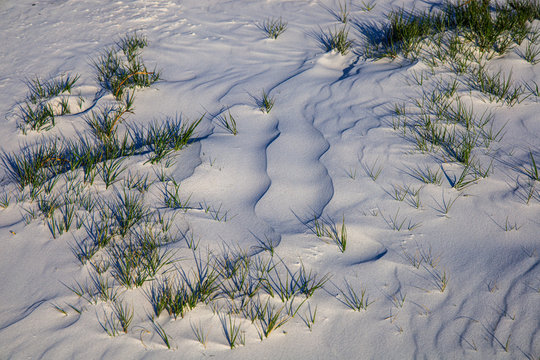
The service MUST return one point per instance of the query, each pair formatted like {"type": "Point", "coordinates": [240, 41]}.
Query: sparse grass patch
{"type": "Point", "coordinates": [351, 173]}
{"type": "Point", "coordinates": [232, 331]}
{"type": "Point", "coordinates": [121, 67]}
{"type": "Point", "coordinates": [103, 289]}
{"type": "Point", "coordinates": [533, 171]}
{"type": "Point", "coordinates": [131, 44]}
{"type": "Point", "coordinates": [217, 213]}
{"type": "Point", "coordinates": [64, 223]}
{"type": "Point", "coordinates": [414, 259]}
{"type": "Point", "coordinates": [38, 117]}
{"type": "Point", "coordinates": [161, 333]}
{"type": "Point", "coordinates": [441, 279]}
{"type": "Point", "coordinates": [35, 165]}
{"type": "Point", "coordinates": [488, 28]}
{"type": "Point", "coordinates": [337, 40]}
{"type": "Point", "coordinates": [38, 112]}
{"type": "Point", "coordinates": [397, 223]}
{"type": "Point", "coordinates": [352, 299]}
{"type": "Point", "coordinates": [446, 204]}
{"type": "Point", "coordinates": [528, 190]}
{"type": "Point", "coordinates": [172, 198]}
{"type": "Point", "coordinates": [124, 314]}
{"type": "Point", "coordinates": [228, 122]}
{"type": "Point", "coordinates": [367, 5]}
{"type": "Point", "coordinates": [497, 87]}
{"type": "Point", "coordinates": [165, 137]}
{"type": "Point", "coordinates": [343, 12]}
{"type": "Point", "coordinates": [40, 89]}
{"type": "Point", "coordinates": [274, 27]}
{"type": "Point", "coordinates": [270, 318]}
{"type": "Point", "coordinates": [444, 124]}
{"type": "Point", "coordinates": [5, 199]}
{"type": "Point", "coordinates": [398, 299]}
{"type": "Point", "coordinates": [327, 228]}
{"type": "Point", "coordinates": [467, 177]}
{"type": "Point", "coordinates": [109, 324]}
{"type": "Point", "coordinates": [399, 193]}
{"type": "Point", "coordinates": [531, 53]}
{"type": "Point", "coordinates": [124, 239]}
{"type": "Point", "coordinates": [128, 209]}
{"type": "Point", "coordinates": [267, 245]}
{"type": "Point", "coordinates": [173, 296]}
{"type": "Point", "coordinates": [127, 266]}
{"type": "Point", "coordinates": [103, 122]}
{"type": "Point", "coordinates": [266, 103]}
{"type": "Point", "coordinates": [533, 90]}
{"type": "Point", "coordinates": [372, 170]}
{"type": "Point", "coordinates": [111, 170]}
{"type": "Point", "coordinates": [199, 333]}
{"type": "Point", "coordinates": [309, 317]}
{"type": "Point", "coordinates": [138, 181]}
{"type": "Point", "coordinates": [428, 176]}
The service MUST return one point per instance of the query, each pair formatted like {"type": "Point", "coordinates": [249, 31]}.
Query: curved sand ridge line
{"type": "Point", "coordinates": [238, 185]}
{"type": "Point", "coordinates": [300, 185]}
{"type": "Point", "coordinates": [313, 141]}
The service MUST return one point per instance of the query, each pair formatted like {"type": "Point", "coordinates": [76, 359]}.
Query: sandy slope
{"type": "Point", "coordinates": [307, 158]}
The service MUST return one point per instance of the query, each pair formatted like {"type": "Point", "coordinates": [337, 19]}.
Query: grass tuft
{"type": "Point", "coordinates": [531, 53]}
{"type": "Point", "coordinates": [228, 122]}
{"type": "Point", "coordinates": [343, 12]}
{"type": "Point", "coordinates": [352, 300]}
{"type": "Point", "coordinates": [161, 333]}
{"type": "Point", "coordinates": [40, 89]}
{"type": "Point", "coordinates": [38, 112]}
{"type": "Point", "coordinates": [5, 199]}
{"type": "Point", "coordinates": [497, 87]}
{"type": "Point", "coordinates": [372, 170]}
{"type": "Point", "coordinates": [199, 333]}
{"type": "Point", "coordinates": [169, 136]}
{"type": "Point", "coordinates": [124, 313]}
{"type": "Point", "coordinates": [338, 41]}
{"type": "Point", "coordinates": [367, 5]}
{"type": "Point", "coordinates": [533, 171]}
{"type": "Point", "coordinates": [266, 103]}
{"type": "Point", "coordinates": [328, 228]}
{"type": "Point", "coordinates": [274, 27]}
{"type": "Point", "coordinates": [232, 331]}
{"type": "Point", "coordinates": [489, 28]}
{"type": "Point", "coordinates": [121, 67]}
{"type": "Point", "coordinates": [38, 117]}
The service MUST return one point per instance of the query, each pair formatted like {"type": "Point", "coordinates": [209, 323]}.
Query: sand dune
{"type": "Point", "coordinates": [327, 203]}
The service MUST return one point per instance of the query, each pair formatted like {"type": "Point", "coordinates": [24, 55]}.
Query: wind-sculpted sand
{"type": "Point", "coordinates": [331, 225]}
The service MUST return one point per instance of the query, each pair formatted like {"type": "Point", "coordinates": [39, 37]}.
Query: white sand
{"type": "Point", "coordinates": [331, 120]}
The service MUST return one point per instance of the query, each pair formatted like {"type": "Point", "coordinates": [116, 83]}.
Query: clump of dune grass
{"type": "Point", "coordinates": [228, 122]}
{"type": "Point", "coordinates": [354, 300]}
{"type": "Point", "coordinates": [40, 89]}
{"type": "Point", "coordinates": [38, 163]}
{"type": "Point", "coordinates": [38, 112]}
{"type": "Point", "coordinates": [121, 67]}
{"type": "Point", "coordinates": [489, 28]}
{"type": "Point", "coordinates": [327, 228]}
{"type": "Point", "coordinates": [343, 13]}
{"type": "Point", "coordinates": [273, 27]}
{"type": "Point", "coordinates": [165, 137]}
{"type": "Point", "coordinates": [266, 103]}
{"type": "Point", "coordinates": [337, 40]}
{"type": "Point", "coordinates": [532, 172]}
{"type": "Point", "coordinates": [232, 331]}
